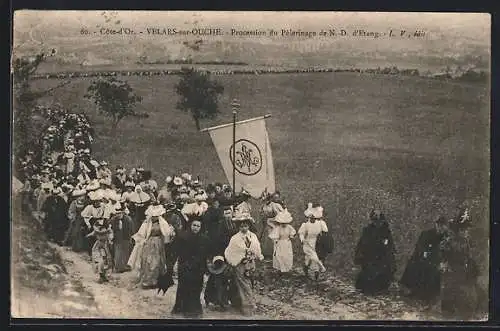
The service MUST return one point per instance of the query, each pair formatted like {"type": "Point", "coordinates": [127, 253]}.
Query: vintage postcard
{"type": "Point", "coordinates": [250, 165]}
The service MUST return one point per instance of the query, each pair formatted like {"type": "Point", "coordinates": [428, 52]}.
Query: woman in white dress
{"type": "Point", "coordinates": [281, 235]}
{"type": "Point", "coordinates": [308, 234]}
{"type": "Point", "coordinates": [241, 254]}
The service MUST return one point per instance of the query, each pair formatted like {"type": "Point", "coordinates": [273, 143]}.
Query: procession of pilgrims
{"type": "Point", "coordinates": [125, 221]}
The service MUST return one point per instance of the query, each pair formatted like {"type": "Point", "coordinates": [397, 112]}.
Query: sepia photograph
{"type": "Point", "coordinates": [232, 165]}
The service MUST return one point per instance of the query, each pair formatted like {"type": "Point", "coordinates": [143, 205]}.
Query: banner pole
{"type": "Point", "coordinates": [234, 152]}
{"type": "Point", "coordinates": [235, 105]}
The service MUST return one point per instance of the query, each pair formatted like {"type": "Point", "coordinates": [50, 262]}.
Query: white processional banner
{"type": "Point", "coordinates": [254, 161]}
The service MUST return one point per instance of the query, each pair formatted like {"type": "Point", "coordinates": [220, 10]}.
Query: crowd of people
{"type": "Point", "coordinates": [126, 222]}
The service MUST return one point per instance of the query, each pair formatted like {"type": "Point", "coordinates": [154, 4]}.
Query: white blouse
{"type": "Point", "coordinates": [237, 249]}
{"type": "Point", "coordinates": [309, 231]}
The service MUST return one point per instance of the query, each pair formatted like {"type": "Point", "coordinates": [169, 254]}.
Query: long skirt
{"type": "Point", "coordinates": [283, 255]}
{"type": "Point", "coordinates": [153, 262]}
{"type": "Point", "coordinates": [188, 296]}
{"type": "Point", "coordinates": [77, 232]}
{"type": "Point", "coordinates": [374, 278]}
{"type": "Point", "coordinates": [121, 254]}
{"type": "Point", "coordinates": [266, 243]}
{"type": "Point", "coordinates": [242, 294]}
{"type": "Point", "coordinates": [101, 257]}
{"type": "Point", "coordinates": [311, 259]}
{"type": "Point", "coordinates": [217, 290]}
{"type": "Point", "coordinates": [422, 279]}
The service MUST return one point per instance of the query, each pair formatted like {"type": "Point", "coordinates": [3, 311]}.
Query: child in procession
{"type": "Point", "coordinates": [281, 236]}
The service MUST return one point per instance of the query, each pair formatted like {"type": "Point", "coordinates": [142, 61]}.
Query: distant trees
{"type": "Point", "coordinates": [114, 99]}
{"type": "Point", "coordinates": [198, 94]}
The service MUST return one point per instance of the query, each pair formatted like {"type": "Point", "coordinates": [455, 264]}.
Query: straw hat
{"type": "Point", "coordinates": [95, 195]}
{"type": "Point", "coordinates": [186, 176]}
{"type": "Point", "coordinates": [217, 266]}
{"type": "Point", "coordinates": [155, 210]}
{"type": "Point", "coordinates": [79, 193]}
{"type": "Point", "coordinates": [129, 184]}
{"type": "Point", "coordinates": [317, 212]}
{"type": "Point", "coordinates": [241, 216]}
{"type": "Point", "coordinates": [309, 211]}
{"type": "Point", "coordinates": [200, 196]}
{"type": "Point", "coordinates": [93, 185]}
{"type": "Point", "coordinates": [283, 217]}
{"type": "Point", "coordinates": [169, 179]}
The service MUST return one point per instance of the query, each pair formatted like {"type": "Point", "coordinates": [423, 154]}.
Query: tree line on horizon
{"type": "Point", "coordinates": [468, 75]}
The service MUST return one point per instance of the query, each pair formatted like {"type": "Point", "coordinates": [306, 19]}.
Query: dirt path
{"type": "Point", "coordinates": [121, 298]}
{"type": "Point", "coordinates": [282, 299]}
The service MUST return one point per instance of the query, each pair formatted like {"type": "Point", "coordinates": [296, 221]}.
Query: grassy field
{"type": "Point", "coordinates": [414, 147]}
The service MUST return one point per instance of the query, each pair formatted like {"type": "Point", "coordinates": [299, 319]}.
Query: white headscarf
{"type": "Point", "coordinates": [140, 197]}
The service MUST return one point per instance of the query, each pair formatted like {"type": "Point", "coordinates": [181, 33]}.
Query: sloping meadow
{"type": "Point", "coordinates": [414, 147]}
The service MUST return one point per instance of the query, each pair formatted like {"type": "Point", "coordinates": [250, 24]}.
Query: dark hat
{"type": "Point", "coordinates": [170, 206]}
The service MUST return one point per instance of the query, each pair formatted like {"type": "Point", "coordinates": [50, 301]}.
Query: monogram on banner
{"type": "Point", "coordinates": [248, 157]}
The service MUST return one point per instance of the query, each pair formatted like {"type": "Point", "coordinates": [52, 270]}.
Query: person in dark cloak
{"type": "Point", "coordinates": [174, 217]}
{"type": "Point", "coordinates": [217, 290]}
{"type": "Point", "coordinates": [123, 230]}
{"type": "Point", "coordinates": [55, 222]}
{"type": "Point", "coordinates": [226, 199]}
{"type": "Point", "coordinates": [219, 234]}
{"type": "Point", "coordinates": [459, 292]}
{"type": "Point", "coordinates": [422, 276]}
{"type": "Point", "coordinates": [375, 255]}
{"type": "Point", "coordinates": [212, 218]}
{"type": "Point", "coordinates": [191, 251]}
{"type": "Point", "coordinates": [77, 231]}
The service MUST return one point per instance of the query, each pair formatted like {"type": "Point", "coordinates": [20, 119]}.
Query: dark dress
{"type": "Point", "coordinates": [212, 221]}
{"type": "Point", "coordinates": [217, 287]}
{"type": "Point", "coordinates": [375, 255]}
{"type": "Point", "coordinates": [191, 252]}
{"type": "Point", "coordinates": [217, 290]}
{"type": "Point", "coordinates": [78, 229]}
{"type": "Point", "coordinates": [56, 220]}
{"type": "Point", "coordinates": [422, 275]}
{"type": "Point", "coordinates": [138, 213]}
{"type": "Point", "coordinates": [121, 242]}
